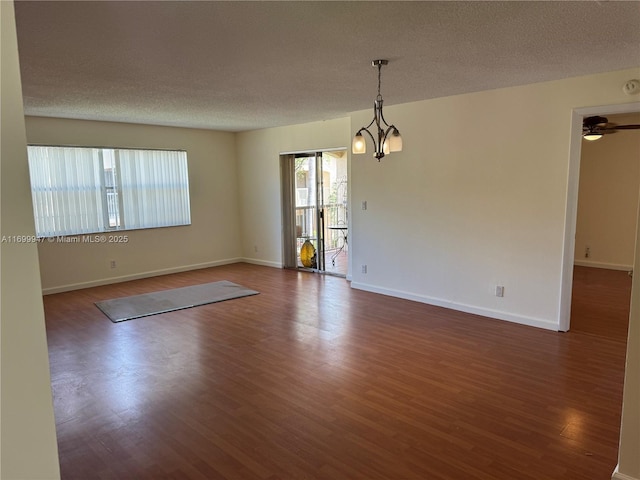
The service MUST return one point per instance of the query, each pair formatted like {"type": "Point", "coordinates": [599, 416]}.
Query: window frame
{"type": "Point", "coordinates": [182, 179]}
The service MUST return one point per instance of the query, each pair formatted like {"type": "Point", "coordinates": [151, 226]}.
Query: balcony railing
{"type": "Point", "coordinates": [335, 214]}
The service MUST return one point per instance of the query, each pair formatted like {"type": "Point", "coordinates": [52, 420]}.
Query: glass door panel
{"type": "Point", "coordinates": [315, 212]}
{"type": "Point", "coordinates": [336, 215]}
{"type": "Point", "coordinates": [306, 211]}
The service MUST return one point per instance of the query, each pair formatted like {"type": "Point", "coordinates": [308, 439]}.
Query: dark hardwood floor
{"type": "Point", "coordinates": [313, 380]}
{"type": "Point", "coordinates": [601, 302]}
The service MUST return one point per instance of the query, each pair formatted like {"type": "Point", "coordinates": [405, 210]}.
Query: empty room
{"type": "Point", "coordinates": [220, 262]}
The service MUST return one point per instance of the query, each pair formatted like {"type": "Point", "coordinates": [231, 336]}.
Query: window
{"type": "Point", "coordinates": [80, 190]}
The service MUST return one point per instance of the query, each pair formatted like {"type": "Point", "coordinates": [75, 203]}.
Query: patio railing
{"type": "Point", "coordinates": [335, 214]}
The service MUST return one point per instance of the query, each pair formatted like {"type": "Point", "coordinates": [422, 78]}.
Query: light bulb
{"type": "Point", "coordinates": [592, 136]}
{"type": "Point", "coordinates": [395, 142]}
{"type": "Point", "coordinates": [358, 145]}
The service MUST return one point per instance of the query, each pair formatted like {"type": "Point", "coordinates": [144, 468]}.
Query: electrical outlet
{"type": "Point", "coordinates": [364, 269]}
{"type": "Point", "coordinates": [255, 248]}
{"type": "Point", "coordinates": [587, 251]}
{"type": "Point", "coordinates": [364, 205]}
{"type": "Point", "coordinates": [499, 291]}
{"type": "Point", "coordinates": [112, 264]}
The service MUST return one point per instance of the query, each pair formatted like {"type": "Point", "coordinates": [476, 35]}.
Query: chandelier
{"type": "Point", "coordinates": [386, 138]}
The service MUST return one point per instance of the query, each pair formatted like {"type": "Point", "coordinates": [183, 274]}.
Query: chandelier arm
{"type": "Point", "coordinates": [370, 123]}
{"type": "Point", "coordinates": [375, 148]}
{"type": "Point", "coordinates": [386, 133]}
{"type": "Point", "coordinates": [373, 120]}
{"type": "Point", "coordinates": [382, 117]}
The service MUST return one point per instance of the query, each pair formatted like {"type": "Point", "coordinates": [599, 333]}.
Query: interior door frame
{"type": "Point", "coordinates": [571, 212]}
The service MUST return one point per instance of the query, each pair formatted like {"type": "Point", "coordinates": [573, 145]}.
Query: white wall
{"type": "Point", "coordinates": [628, 454]}
{"type": "Point", "coordinates": [608, 198]}
{"type": "Point", "coordinates": [211, 239]}
{"type": "Point", "coordinates": [27, 437]}
{"type": "Point", "coordinates": [259, 180]}
{"type": "Point", "coordinates": [477, 198]}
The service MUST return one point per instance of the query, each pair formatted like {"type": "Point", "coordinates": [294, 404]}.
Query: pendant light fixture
{"type": "Point", "coordinates": [386, 138]}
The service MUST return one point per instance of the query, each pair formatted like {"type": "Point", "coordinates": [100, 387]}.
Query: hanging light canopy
{"type": "Point", "coordinates": [386, 138]}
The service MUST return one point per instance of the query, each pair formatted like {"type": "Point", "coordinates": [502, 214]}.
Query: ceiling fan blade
{"type": "Point", "coordinates": [597, 125]}
{"type": "Point", "coordinates": [626, 127]}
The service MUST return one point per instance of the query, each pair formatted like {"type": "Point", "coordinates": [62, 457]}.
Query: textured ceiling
{"type": "Point", "coordinates": [245, 65]}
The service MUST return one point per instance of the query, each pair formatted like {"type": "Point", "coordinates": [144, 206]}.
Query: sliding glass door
{"type": "Point", "coordinates": [315, 211]}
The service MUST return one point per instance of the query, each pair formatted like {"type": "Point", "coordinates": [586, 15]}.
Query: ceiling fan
{"type": "Point", "coordinates": [594, 127]}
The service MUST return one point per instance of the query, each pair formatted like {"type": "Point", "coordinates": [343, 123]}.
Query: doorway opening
{"type": "Point", "coordinates": [315, 211]}
{"type": "Point", "coordinates": [608, 193]}
{"type": "Point", "coordinates": [595, 266]}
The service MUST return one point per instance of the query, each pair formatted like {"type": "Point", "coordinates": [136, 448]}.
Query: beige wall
{"type": "Point", "coordinates": [211, 239]}
{"type": "Point", "coordinates": [629, 452]}
{"type": "Point", "coordinates": [608, 198]}
{"type": "Point", "coordinates": [477, 198]}
{"type": "Point", "coordinates": [259, 180]}
{"type": "Point", "coordinates": [27, 436]}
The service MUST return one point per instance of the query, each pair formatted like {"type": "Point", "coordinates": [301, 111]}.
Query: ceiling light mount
{"type": "Point", "coordinates": [386, 138]}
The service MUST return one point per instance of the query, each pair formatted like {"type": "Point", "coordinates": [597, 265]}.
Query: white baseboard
{"type": "Point", "coordinates": [136, 276]}
{"type": "Point", "coordinates": [621, 476]}
{"type": "Point", "coordinates": [264, 263]}
{"type": "Point", "coordinates": [608, 266]}
{"type": "Point", "coordinates": [485, 312]}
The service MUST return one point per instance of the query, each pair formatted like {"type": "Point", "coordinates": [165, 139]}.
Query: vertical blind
{"type": "Point", "coordinates": [66, 190]}
{"type": "Point", "coordinates": [80, 190]}
{"type": "Point", "coordinates": [153, 188]}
